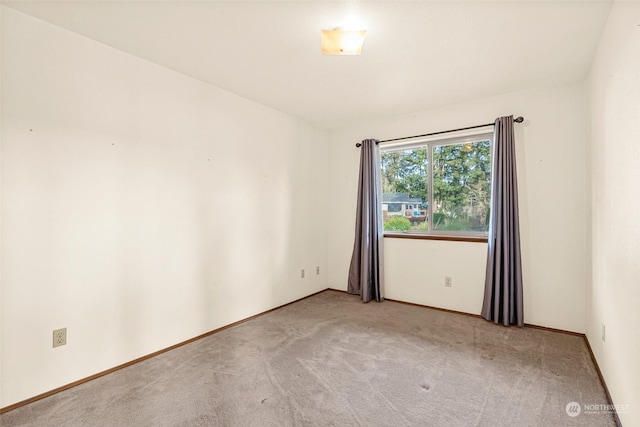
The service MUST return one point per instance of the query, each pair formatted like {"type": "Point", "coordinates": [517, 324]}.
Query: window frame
{"type": "Point", "coordinates": [454, 138]}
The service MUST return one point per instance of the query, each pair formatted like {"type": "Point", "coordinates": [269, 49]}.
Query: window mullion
{"type": "Point", "coordinates": [430, 185]}
{"type": "Point", "coordinates": [462, 214]}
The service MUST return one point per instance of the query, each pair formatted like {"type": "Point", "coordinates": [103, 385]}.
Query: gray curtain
{"type": "Point", "coordinates": [365, 272]}
{"type": "Point", "coordinates": [503, 283]}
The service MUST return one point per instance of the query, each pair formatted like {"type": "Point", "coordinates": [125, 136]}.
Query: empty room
{"type": "Point", "coordinates": [367, 213]}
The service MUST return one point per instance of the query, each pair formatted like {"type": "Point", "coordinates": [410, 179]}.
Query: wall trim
{"type": "Point", "coordinates": [446, 310]}
{"type": "Point", "coordinates": [528, 325]}
{"type": "Point", "coordinates": [464, 313]}
{"type": "Point", "coordinates": [206, 334]}
{"type": "Point", "coordinates": [604, 384]}
{"type": "Point", "coordinates": [143, 358]}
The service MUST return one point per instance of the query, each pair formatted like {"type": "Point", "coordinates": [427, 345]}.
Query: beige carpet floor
{"type": "Point", "coordinates": [330, 360]}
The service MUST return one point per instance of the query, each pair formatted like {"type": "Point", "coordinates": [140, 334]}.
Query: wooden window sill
{"type": "Point", "coordinates": [436, 237]}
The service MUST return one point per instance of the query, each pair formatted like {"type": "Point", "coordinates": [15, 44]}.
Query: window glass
{"type": "Point", "coordinates": [462, 186]}
{"type": "Point", "coordinates": [437, 187]}
{"type": "Point", "coordinates": [405, 189]}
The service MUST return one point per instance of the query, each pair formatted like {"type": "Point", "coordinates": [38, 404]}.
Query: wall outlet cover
{"type": "Point", "coordinates": [60, 337]}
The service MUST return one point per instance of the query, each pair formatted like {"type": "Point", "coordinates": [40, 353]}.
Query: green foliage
{"type": "Point", "coordinates": [455, 224]}
{"type": "Point", "coordinates": [397, 223]}
{"type": "Point", "coordinates": [438, 220]}
{"type": "Point", "coordinates": [421, 226]}
{"type": "Point", "coordinates": [405, 172]}
{"type": "Point", "coordinates": [461, 182]}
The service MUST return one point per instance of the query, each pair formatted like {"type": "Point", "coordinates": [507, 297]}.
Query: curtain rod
{"type": "Point", "coordinates": [517, 120]}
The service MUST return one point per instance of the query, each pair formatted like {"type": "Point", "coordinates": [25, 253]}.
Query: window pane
{"type": "Point", "coordinates": [404, 190]}
{"type": "Point", "coordinates": [462, 186]}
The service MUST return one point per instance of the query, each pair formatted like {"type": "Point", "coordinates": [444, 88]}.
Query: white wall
{"type": "Point", "coordinates": [614, 294]}
{"type": "Point", "coordinates": [552, 174]}
{"type": "Point", "coordinates": [1, 198]}
{"type": "Point", "coordinates": [124, 207]}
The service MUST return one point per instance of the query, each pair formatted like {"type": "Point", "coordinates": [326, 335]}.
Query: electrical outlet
{"type": "Point", "coordinates": [317, 270]}
{"type": "Point", "coordinates": [60, 337]}
{"type": "Point", "coordinates": [448, 281]}
{"type": "Point", "coordinates": [302, 273]}
{"type": "Point", "coordinates": [603, 332]}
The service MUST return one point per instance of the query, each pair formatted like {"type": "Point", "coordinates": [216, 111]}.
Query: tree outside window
{"type": "Point", "coordinates": [441, 186]}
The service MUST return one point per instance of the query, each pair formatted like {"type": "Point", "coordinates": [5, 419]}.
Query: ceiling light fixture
{"type": "Point", "coordinates": [342, 42]}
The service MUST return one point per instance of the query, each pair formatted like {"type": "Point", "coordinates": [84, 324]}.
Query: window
{"type": "Point", "coordinates": [437, 186]}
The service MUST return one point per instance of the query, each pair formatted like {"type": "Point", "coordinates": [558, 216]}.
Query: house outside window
{"type": "Point", "coordinates": [437, 185]}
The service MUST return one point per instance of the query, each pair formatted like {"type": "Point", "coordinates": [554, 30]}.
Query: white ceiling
{"type": "Point", "coordinates": [417, 54]}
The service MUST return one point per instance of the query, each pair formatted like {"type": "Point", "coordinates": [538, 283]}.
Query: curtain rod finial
{"type": "Point", "coordinates": [358, 145]}
{"type": "Point", "coordinates": [519, 119]}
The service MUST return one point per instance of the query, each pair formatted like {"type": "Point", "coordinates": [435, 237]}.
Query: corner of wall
{"type": "Point", "coordinates": [613, 130]}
